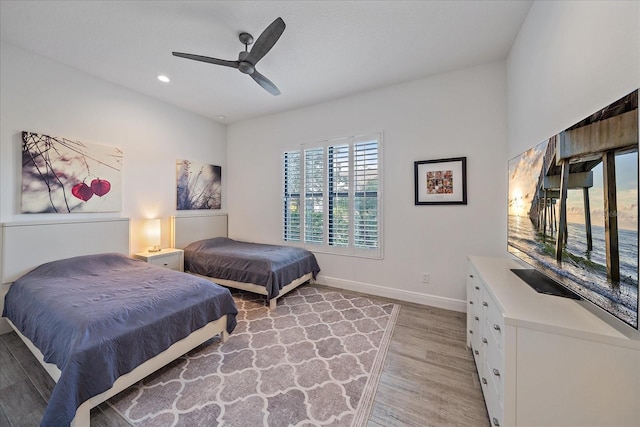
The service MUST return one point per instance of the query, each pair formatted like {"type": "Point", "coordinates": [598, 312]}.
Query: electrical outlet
{"type": "Point", "coordinates": [426, 277]}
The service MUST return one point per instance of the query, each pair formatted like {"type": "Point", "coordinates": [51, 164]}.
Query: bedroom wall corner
{"type": "Point", "coordinates": [43, 96]}
{"type": "Point", "coordinates": [569, 60]}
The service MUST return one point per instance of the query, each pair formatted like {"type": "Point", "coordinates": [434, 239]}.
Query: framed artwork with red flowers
{"type": "Point", "coordinates": [62, 176]}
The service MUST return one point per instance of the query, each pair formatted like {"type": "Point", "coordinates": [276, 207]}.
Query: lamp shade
{"type": "Point", "coordinates": [152, 234]}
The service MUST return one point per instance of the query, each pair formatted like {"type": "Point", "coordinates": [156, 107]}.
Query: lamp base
{"type": "Point", "coordinates": [155, 249]}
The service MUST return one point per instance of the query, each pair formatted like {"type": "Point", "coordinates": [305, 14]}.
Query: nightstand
{"type": "Point", "coordinates": [170, 258]}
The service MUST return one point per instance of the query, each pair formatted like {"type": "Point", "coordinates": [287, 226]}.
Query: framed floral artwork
{"type": "Point", "coordinates": [441, 182]}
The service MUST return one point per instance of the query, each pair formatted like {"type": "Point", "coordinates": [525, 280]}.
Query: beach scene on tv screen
{"type": "Point", "coordinates": [588, 239]}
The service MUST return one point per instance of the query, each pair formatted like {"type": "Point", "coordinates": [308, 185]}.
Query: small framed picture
{"type": "Point", "coordinates": [441, 182]}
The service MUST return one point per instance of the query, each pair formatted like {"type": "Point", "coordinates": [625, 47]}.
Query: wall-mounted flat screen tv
{"type": "Point", "coordinates": [573, 209]}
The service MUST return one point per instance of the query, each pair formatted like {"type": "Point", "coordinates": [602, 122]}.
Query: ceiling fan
{"type": "Point", "coordinates": [247, 60]}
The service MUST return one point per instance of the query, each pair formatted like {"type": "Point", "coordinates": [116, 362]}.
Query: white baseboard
{"type": "Point", "coordinates": [381, 291]}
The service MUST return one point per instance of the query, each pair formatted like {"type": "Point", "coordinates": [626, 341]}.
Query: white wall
{"type": "Point", "coordinates": [569, 60]}
{"type": "Point", "coordinates": [43, 96]}
{"type": "Point", "coordinates": [462, 113]}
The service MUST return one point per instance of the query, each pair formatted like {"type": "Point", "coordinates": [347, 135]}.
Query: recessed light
{"type": "Point", "coordinates": [221, 117]}
{"type": "Point", "coordinates": [163, 78]}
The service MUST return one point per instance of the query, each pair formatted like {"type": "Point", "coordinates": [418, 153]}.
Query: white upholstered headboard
{"type": "Point", "coordinates": [26, 245]}
{"type": "Point", "coordinates": [186, 229]}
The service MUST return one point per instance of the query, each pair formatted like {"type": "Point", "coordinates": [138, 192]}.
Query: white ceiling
{"type": "Point", "coordinates": [329, 49]}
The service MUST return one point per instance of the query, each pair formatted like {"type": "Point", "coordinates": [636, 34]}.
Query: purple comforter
{"type": "Point", "coordinates": [270, 266]}
{"type": "Point", "coordinates": [97, 317]}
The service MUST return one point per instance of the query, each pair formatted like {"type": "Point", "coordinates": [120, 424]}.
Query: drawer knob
{"type": "Point", "coordinates": [496, 372]}
{"type": "Point", "coordinates": [470, 331]}
{"type": "Point", "coordinates": [496, 327]}
{"type": "Point", "coordinates": [471, 275]}
{"type": "Point", "coordinates": [470, 302]}
{"type": "Point", "coordinates": [476, 317]}
{"type": "Point", "coordinates": [484, 380]}
{"type": "Point", "coordinates": [476, 352]}
{"type": "Point", "coordinates": [477, 288]}
{"type": "Point", "coordinates": [495, 421]}
{"type": "Point", "coordinates": [484, 340]}
{"type": "Point", "coordinates": [484, 303]}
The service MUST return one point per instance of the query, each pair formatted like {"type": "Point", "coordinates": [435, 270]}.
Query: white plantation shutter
{"type": "Point", "coordinates": [339, 181]}
{"type": "Point", "coordinates": [332, 196]}
{"type": "Point", "coordinates": [291, 209]}
{"type": "Point", "coordinates": [365, 183]}
{"type": "Point", "coordinates": [314, 195]}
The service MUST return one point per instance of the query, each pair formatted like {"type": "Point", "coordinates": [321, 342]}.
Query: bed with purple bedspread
{"type": "Point", "coordinates": [97, 317]}
{"type": "Point", "coordinates": [271, 266]}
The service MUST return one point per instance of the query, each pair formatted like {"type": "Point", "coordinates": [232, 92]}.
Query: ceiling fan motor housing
{"type": "Point", "coordinates": [245, 66]}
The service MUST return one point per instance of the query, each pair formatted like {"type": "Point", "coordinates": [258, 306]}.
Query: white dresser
{"type": "Point", "coordinates": [545, 360]}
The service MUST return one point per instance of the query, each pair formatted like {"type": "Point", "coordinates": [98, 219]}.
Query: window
{"type": "Point", "coordinates": [332, 194]}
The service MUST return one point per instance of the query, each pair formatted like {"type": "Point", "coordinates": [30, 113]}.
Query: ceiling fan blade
{"type": "Point", "coordinates": [265, 42]}
{"type": "Point", "coordinates": [224, 62]}
{"type": "Point", "coordinates": [265, 83]}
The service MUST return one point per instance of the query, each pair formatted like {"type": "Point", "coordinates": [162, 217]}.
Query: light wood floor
{"type": "Point", "coordinates": [429, 377]}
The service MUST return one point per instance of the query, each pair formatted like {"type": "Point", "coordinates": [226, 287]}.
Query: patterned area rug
{"type": "Point", "coordinates": [314, 361]}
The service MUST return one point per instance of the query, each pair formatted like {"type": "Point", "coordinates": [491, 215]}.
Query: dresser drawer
{"type": "Point", "coordinates": [475, 325]}
{"type": "Point", "coordinates": [495, 324]}
{"type": "Point", "coordinates": [172, 262]}
{"type": "Point", "coordinates": [474, 290]}
{"type": "Point", "coordinates": [476, 354]}
{"type": "Point", "coordinates": [492, 396]}
{"type": "Point", "coordinates": [496, 412]}
{"type": "Point", "coordinates": [494, 368]}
